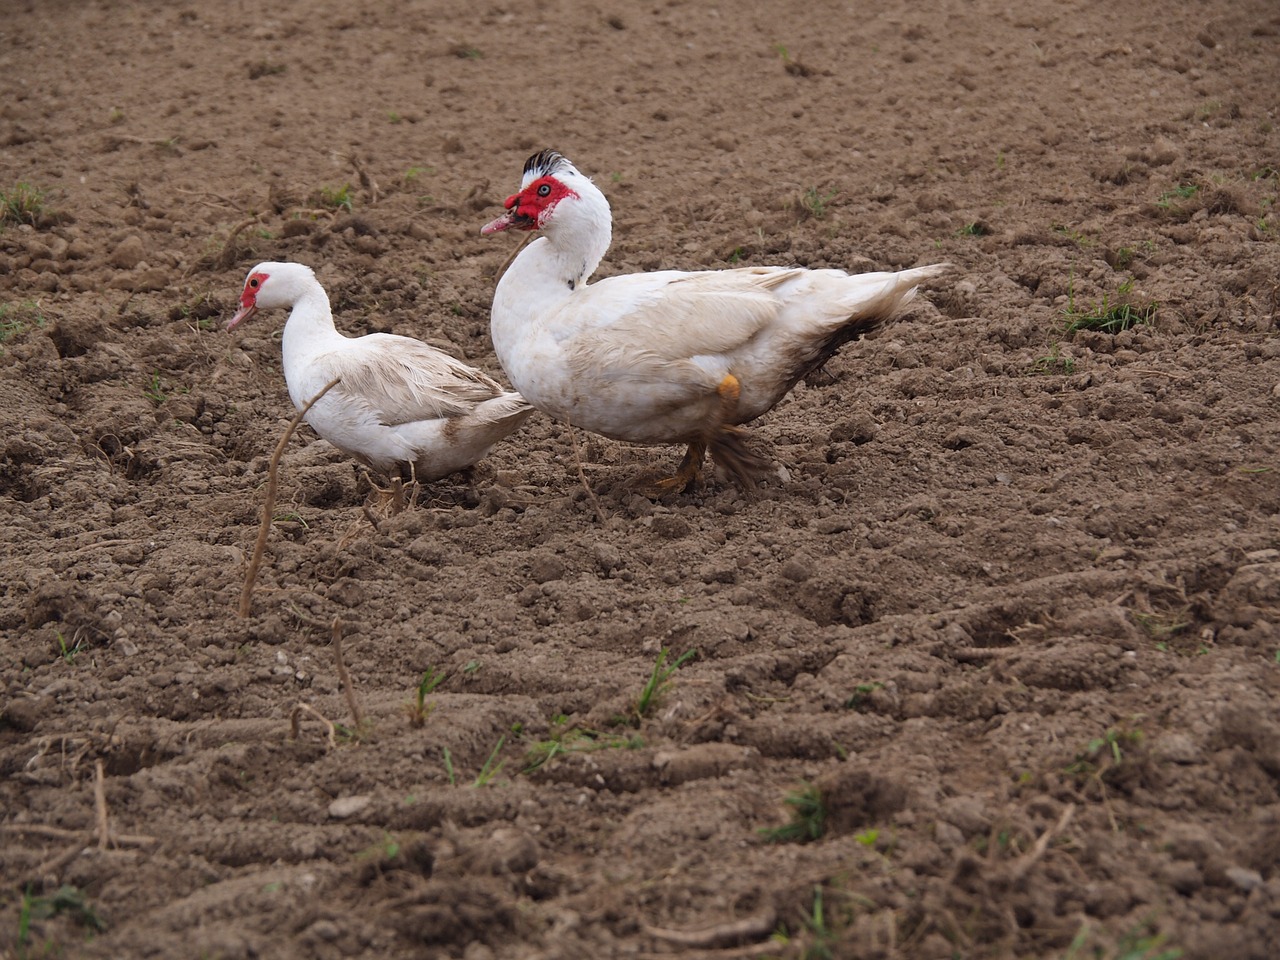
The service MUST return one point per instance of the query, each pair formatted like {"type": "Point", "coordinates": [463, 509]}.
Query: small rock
{"type": "Point", "coordinates": [966, 813]}
{"type": "Point", "coordinates": [128, 253]}
{"type": "Point", "coordinates": [858, 429]}
{"type": "Point", "coordinates": [797, 570]}
{"type": "Point", "coordinates": [948, 836]}
{"type": "Point", "coordinates": [671, 527]}
{"type": "Point", "coordinates": [347, 592]}
{"type": "Point", "coordinates": [345, 807]}
{"type": "Point", "coordinates": [1176, 748]}
{"type": "Point", "coordinates": [545, 568]}
{"type": "Point", "coordinates": [1244, 878]}
{"type": "Point", "coordinates": [607, 556]}
{"type": "Point", "coordinates": [702, 761]}
{"type": "Point", "coordinates": [79, 250]}
{"type": "Point", "coordinates": [831, 525]}
{"type": "Point", "coordinates": [325, 930]}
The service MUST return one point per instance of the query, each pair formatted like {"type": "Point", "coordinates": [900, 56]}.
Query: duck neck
{"type": "Point", "coordinates": [309, 329]}
{"type": "Point", "coordinates": [548, 272]}
{"type": "Point", "coordinates": [579, 235]}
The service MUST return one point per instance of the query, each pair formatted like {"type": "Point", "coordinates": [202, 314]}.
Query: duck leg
{"type": "Point", "coordinates": [684, 479]}
{"type": "Point", "coordinates": [725, 441]}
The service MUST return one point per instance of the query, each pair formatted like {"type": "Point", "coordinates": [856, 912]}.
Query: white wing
{"type": "Point", "coordinates": [400, 380]}
{"type": "Point", "coordinates": [644, 327]}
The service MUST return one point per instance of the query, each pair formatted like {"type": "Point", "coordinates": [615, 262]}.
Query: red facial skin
{"type": "Point", "coordinates": [529, 209]}
{"type": "Point", "coordinates": [248, 299]}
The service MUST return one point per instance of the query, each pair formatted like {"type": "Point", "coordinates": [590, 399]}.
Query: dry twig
{"type": "Point", "coordinates": [295, 722]}
{"type": "Point", "coordinates": [1042, 844]}
{"type": "Point", "coordinates": [582, 476]}
{"type": "Point", "coordinates": [368, 515]}
{"type": "Point", "coordinates": [344, 678]}
{"type": "Point", "coordinates": [100, 803]}
{"type": "Point", "coordinates": [62, 833]}
{"type": "Point", "coordinates": [227, 255]}
{"type": "Point", "coordinates": [269, 501]}
{"type": "Point", "coordinates": [747, 929]}
{"type": "Point", "coordinates": [366, 178]}
{"type": "Point", "coordinates": [53, 867]}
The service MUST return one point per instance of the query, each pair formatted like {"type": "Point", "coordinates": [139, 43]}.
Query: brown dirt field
{"type": "Point", "coordinates": [1012, 614]}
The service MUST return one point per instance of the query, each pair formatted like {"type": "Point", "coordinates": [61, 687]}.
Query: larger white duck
{"type": "Point", "coordinates": [664, 357]}
{"type": "Point", "coordinates": [400, 405]}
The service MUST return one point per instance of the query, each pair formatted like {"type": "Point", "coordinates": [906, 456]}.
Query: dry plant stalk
{"type": "Point", "coordinates": [100, 803]}
{"type": "Point", "coordinates": [269, 501]}
{"type": "Point", "coordinates": [582, 477]}
{"type": "Point", "coordinates": [366, 178]}
{"type": "Point", "coordinates": [295, 722]}
{"type": "Point", "coordinates": [61, 833]}
{"type": "Point", "coordinates": [1042, 844]}
{"type": "Point", "coordinates": [227, 255]}
{"type": "Point", "coordinates": [80, 838]}
{"type": "Point", "coordinates": [53, 867]}
{"type": "Point", "coordinates": [344, 678]}
{"type": "Point", "coordinates": [746, 930]}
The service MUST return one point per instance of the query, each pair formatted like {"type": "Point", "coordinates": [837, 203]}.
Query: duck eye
{"type": "Point", "coordinates": [544, 190]}
{"type": "Point", "coordinates": [254, 283]}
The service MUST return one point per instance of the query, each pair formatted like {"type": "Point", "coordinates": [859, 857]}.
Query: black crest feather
{"type": "Point", "coordinates": [543, 163]}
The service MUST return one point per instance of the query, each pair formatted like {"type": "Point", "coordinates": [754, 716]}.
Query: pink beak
{"type": "Point", "coordinates": [504, 221]}
{"type": "Point", "coordinates": [244, 313]}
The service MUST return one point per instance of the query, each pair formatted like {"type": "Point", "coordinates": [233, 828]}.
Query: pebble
{"type": "Point", "coordinates": [1177, 748]}
{"type": "Point", "coordinates": [948, 836]}
{"type": "Point", "coordinates": [831, 525]}
{"type": "Point", "coordinates": [545, 568]}
{"type": "Point", "coordinates": [325, 930]}
{"type": "Point", "coordinates": [345, 807]}
{"type": "Point", "coordinates": [1244, 878]}
{"type": "Point", "coordinates": [671, 527]}
{"type": "Point", "coordinates": [967, 814]}
{"type": "Point", "coordinates": [701, 761]}
{"type": "Point", "coordinates": [797, 570]}
{"type": "Point", "coordinates": [607, 556]}
{"type": "Point", "coordinates": [128, 253]}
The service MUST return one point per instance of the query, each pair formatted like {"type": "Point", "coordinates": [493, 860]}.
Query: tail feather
{"type": "Point", "coordinates": [868, 311]}
{"type": "Point", "coordinates": [506, 406]}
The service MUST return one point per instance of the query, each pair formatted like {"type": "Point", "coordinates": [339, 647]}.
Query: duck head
{"type": "Point", "coordinates": [271, 285]}
{"type": "Point", "coordinates": [550, 188]}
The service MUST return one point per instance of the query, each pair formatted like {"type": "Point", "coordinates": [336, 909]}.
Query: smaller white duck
{"type": "Point", "coordinates": [664, 357]}
{"type": "Point", "coordinates": [401, 406]}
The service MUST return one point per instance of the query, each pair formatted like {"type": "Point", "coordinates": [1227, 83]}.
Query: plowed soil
{"type": "Point", "coordinates": [1005, 624]}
